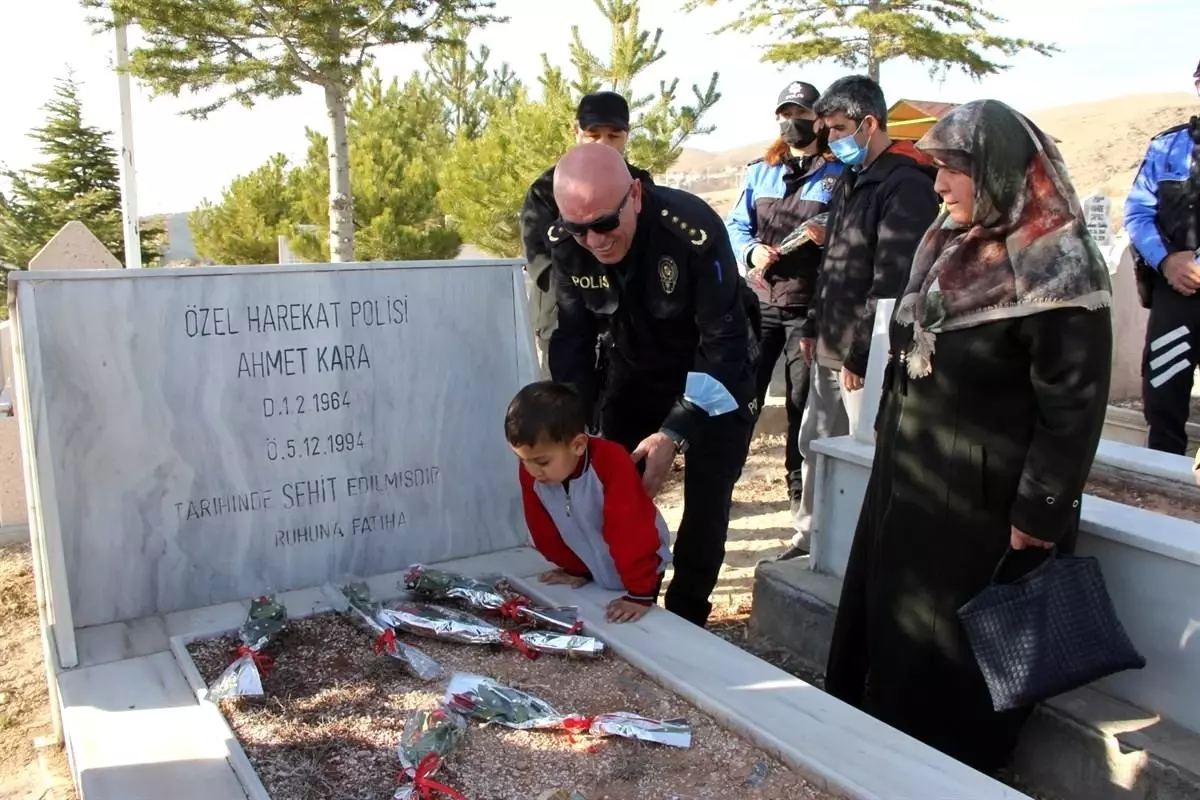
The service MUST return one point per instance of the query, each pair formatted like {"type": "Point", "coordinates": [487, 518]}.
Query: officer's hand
{"type": "Point", "coordinates": [808, 347]}
{"type": "Point", "coordinates": [763, 256]}
{"type": "Point", "coordinates": [659, 452]}
{"type": "Point", "coordinates": [850, 381]}
{"type": "Point", "coordinates": [816, 232]}
{"type": "Point", "coordinates": [1182, 272]}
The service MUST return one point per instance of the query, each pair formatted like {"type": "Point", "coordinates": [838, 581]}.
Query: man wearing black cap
{"type": "Point", "coordinates": [1162, 214]}
{"type": "Point", "coordinates": [602, 118]}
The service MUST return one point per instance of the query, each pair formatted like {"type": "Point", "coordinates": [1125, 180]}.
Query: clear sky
{"type": "Point", "coordinates": [1110, 48]}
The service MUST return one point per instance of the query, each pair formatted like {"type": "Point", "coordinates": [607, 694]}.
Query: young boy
{"type": "Point", "coordinates": [584, 502]}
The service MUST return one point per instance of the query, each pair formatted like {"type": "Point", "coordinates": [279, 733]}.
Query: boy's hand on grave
{"type": "Point", "coordinates": [622, 610]}
{"type": "Point", "coordinates": [558, 577]}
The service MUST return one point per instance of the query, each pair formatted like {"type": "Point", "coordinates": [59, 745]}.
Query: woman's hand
{"type": "Point", "coordinates": [1020, 540]}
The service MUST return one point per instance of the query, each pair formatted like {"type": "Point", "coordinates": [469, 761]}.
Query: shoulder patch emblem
{"type": "Point", "coordinates": [828, 182]}
{"type": "Point", "coordinates": [668, 273]}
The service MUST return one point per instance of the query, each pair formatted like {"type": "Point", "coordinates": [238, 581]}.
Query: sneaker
{"type": "Point", "coordinates": [794, 551]}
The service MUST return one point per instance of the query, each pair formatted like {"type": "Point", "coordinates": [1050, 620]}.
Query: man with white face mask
{"type": "Point", "coordinates": [879, 212]}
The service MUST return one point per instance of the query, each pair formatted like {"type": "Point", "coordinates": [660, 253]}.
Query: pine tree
{"type": "Point", "coordinates": [397, 140]}
{"type": "Point", "coordinates": [79, 180]}
{"type": "Point", "coordinates": [661, 124]}
{"type": "Point", "coordinates": [254, 211]}
{"type": "Point", "coordinates": [463, 81]}
{"type": "Point", "coordinates": [485, 180]}
{"type": "Point", "coordinates": [864, 34]}
{"type": "Point", "coordinates": [254, 49]}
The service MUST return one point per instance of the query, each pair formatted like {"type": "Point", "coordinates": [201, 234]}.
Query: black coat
{"type": "Point", "coordinates": [1001, 434]}
{"type": "Point", "coordinates": [876, 220]}
{"type": "Point", "coordinates": [675, 304]}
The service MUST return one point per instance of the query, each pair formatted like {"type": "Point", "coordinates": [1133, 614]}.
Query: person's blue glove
{"type": "Point", "coordinates": [706, 392]}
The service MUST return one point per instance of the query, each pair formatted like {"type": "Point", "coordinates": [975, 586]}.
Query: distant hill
{"type": "Point", "coordinates": [1102, 143]}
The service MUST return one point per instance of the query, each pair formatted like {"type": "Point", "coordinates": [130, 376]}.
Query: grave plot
{"type": "Point", "coordinates": [1180, 502]}
{"type": "Point", "coordinates": [194, 438]}
{"type": "Point", "coordinates": [333, 711]}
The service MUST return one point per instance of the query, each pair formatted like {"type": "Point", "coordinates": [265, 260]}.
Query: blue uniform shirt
{"type": "Point", "coordinates": [764, 182]}
{"type": "Point", "coordinates": [1168, 159]}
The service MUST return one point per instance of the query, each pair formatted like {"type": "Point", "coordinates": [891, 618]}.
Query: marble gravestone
{"type": "Point", "coordinates": [204, 435]}
{"type": "Point", "coordinates": [1096, 209]}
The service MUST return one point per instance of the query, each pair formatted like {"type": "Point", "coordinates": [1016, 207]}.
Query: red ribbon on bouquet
{"type": "Point", "coordinates": [578, 725]}
{"type": "Point", "coordinates": [386, 641]}
{"type": "Point", "coordinates": [424, 786]}
{"type": "Point", "coordinates": [261, 660]}
{"type": "Point", "coordinates": [513, 639]}
{"type": "Point", "coordinates": [512, 608]}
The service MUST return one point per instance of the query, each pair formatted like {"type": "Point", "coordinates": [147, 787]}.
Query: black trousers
{"type": "Point", "coordinates": [712, 465]}
{"type": "Point", "coordinates": [781, 336]}
{"type": "Point", "coordinates": [1169, 366]}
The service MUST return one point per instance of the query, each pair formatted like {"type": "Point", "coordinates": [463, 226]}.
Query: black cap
{"type": "Point", "coordinates": [800, 93]}
{"type": "Point", "coordinates": [603, 108]}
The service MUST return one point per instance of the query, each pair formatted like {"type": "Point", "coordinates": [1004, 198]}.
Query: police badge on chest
{"type": "Point", "coordinates": [668, 274]}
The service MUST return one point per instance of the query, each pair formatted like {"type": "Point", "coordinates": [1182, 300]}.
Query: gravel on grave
{"type": "Point", "coordinates": [333, 710]}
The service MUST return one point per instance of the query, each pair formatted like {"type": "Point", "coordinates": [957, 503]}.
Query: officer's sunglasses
{"type": "Point", "coordinates": [603, 224]}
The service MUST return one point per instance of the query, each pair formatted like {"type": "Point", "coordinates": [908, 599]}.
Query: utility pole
{"type": "Point", "coordinates": [129, 212]}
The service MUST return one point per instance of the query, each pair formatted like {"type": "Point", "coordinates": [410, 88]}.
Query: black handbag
{"type": "Point", "coordinates": [1050, 631]}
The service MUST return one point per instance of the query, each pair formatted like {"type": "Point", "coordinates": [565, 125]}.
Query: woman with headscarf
{"type": "Point", "coordinates": [993, 404]}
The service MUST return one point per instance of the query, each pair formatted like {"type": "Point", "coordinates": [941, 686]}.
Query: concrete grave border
{"type": "Point", "coordinates": [791, 720]}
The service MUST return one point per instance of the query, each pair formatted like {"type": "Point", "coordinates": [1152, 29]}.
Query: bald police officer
{"type": "Point", "coordinates": [601, 118]}
{"type": "Point", "coordinates": [654, 267]}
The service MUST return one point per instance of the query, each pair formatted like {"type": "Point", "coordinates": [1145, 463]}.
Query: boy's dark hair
{"type": "Point", "coordinates": [856, 96]}
{"type": "Point", "coordinates": [544, 412]}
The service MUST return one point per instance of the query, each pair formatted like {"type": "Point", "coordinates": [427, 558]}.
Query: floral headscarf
{"type": "Point", "coordinates": [1026, 249]}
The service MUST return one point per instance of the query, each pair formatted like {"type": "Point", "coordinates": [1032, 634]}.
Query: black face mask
{"type": "Point", "coordinates": [797, 132]}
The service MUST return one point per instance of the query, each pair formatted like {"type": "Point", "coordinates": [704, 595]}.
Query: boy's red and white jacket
{"type": "Point", "coordinates": [600, 523]}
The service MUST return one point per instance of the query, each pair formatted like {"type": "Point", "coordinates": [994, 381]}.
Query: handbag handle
{"type": "Point", "coordinates": [1051, 553]}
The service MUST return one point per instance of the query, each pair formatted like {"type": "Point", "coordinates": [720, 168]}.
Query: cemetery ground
{"type": "Point", "coordinates": [758, 530]}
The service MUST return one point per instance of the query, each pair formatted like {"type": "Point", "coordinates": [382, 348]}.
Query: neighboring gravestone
{"type": "Point", "coordinates": [74, 247]}
{"type": "Point", "coordinates": [1096, 215]}
{"type": "Point", "coordinates": [208, 434]}
{"type": "Point", "coordinates": [1129, 329]}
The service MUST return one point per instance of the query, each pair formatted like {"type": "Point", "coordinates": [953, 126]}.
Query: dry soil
{"type": "Point", "coordinates": [334, 711]}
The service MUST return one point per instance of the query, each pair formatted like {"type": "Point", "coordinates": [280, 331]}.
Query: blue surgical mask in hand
{"type": "Point", "coordinates": [847, 149]}
{"type": "Point", "coordinates": [708, 393]}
